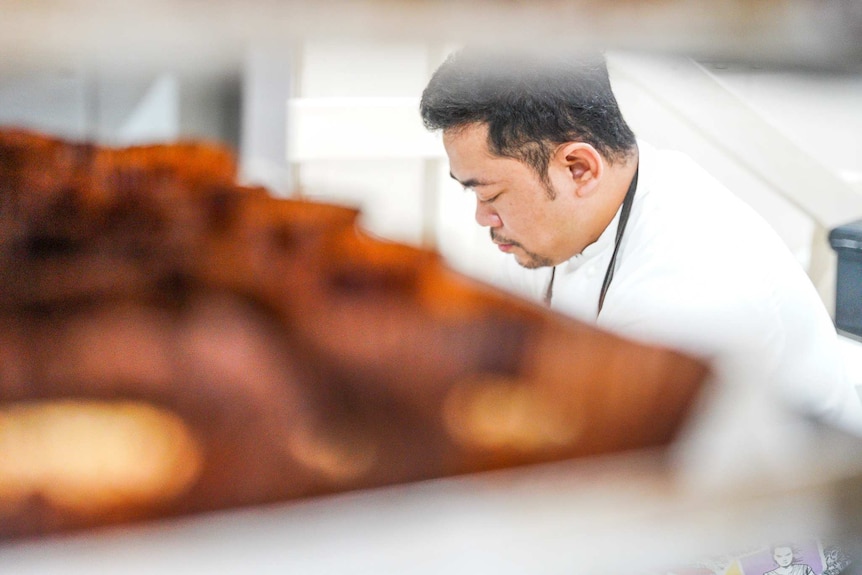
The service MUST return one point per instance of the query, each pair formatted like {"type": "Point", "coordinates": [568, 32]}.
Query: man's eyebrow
{"type": "Point", "coordinates": [472, 183]}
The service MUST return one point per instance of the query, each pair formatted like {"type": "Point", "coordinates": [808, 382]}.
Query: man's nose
{"type": "Point", "coordinates": [486, 216]}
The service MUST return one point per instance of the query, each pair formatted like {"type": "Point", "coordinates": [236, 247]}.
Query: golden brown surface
{"type": "Point", "coordinates": [285, 352]}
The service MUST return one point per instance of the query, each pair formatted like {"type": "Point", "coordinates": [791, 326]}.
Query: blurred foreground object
{"type": "Point", "coordinates": [846, 240]}
{"type": "Point", "coordinates": [813, 34]}
{"type": "Point", "coordinates": [171, 343]}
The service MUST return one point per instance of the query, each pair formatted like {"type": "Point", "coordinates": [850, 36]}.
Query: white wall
{"type": "Point", "coordinates": [121, 106]}
{"type": "Point", "coordinates": [388, 189]}
{"type": "Point", "coordinates": [355, 136]}
{"type": "Point", "coordinates": [51, 99]}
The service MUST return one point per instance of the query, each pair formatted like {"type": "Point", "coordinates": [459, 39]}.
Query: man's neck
{"type": "Point", "coordinates": [619, 178]}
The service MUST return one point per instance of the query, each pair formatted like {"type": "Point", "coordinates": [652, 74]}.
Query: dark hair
{"type": "Point", "coordinates": [531, 103]}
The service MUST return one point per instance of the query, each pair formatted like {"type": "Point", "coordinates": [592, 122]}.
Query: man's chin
{"type": "Point", "coordinates": [531, 263]}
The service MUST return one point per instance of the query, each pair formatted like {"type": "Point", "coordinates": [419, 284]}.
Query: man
{"type": "Point", "coordinates": [783, 557]}
{"type": "Point", "coordinates": [642, 242]}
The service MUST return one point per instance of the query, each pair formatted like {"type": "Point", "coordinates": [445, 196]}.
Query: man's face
{"type": "Point", "coordinates": [513, 201]}
{"type": "Point", "coordinates": [783, 556]}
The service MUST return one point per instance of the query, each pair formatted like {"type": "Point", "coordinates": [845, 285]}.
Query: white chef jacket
{"type": "Point", "coordinates": [700, 271]}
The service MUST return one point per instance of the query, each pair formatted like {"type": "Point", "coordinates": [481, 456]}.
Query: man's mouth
{"type": "Point", "coordinates": [503, 244]}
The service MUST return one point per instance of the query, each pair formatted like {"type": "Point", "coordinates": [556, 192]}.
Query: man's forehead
{"type": "Point", "coordinates": [471, 161]}
{"type": "Point", "coordinates": [474, 135]}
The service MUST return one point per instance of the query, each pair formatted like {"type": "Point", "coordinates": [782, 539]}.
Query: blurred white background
{"type": "Point", "coordinates": [320, 100]}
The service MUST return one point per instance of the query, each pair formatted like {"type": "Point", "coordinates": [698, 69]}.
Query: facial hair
{"type": "Point", "coordinates": [533, 260]}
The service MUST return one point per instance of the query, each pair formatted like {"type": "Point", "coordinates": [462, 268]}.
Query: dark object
{"type": "Point", "coordinates": [846, 240]}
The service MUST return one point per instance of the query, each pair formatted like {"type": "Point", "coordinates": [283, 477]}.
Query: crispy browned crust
{"type": "Point", "coordinates": [301, 355]}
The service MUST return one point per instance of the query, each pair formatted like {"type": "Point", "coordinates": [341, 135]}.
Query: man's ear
{"type": "Point", "coordinates": [583, 164]}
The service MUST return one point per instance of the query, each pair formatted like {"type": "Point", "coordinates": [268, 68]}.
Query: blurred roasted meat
{"type": "Point", "coordinates": [172, 342]}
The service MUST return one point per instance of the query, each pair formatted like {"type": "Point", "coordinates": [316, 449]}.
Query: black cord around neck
{"type": "Point", "coordinates": [621, 228]}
